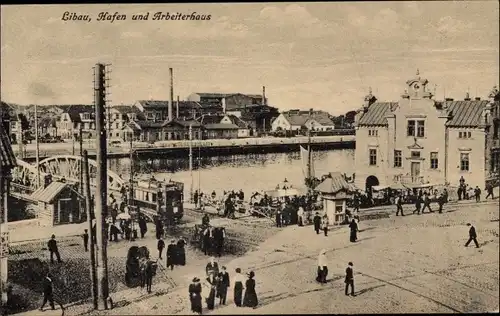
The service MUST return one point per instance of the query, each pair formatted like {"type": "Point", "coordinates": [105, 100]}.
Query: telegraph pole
{"type": "Point", "coordinates": [80, 139]}
{"type": "Point", "coordinates": [131, 189]}
{"type": "Point", "coordinates": [88, 206]}
{"type": "Point", "coordinates": [191, 160]}
{"type": "Point", "coordinates": [37, 148]}
{"type": "Point", "coordinates": [102, 186]}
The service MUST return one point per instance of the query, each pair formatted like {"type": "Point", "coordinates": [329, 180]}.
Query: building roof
{"type": "Point", "coordinates": [48, 194]}
{"type": "Point", "coordinates": [149, 124]}
{"type": "Point", "coordinates": [184, 123]}
{"type": "Point", "coordinates": [238, 121]}
{"type": "Point", "coordinates": [48, 121]}
{"type": "Point", "coordinates": [334, 184]}
{"type": "Point", "coordinates": [462, 113]}
{"type": "Point", "coordinates": [7, 157]}
{"type": "Point", "coordinates": [223, 95]}
{"type": "Point", "coordinates": [301, 117]}
{"type": "Point", "coordinates": [210, 119]}
{"type": "Point", "coordinates": [153, 104]}
{"type": "Point", "coordinates": [465, 113]}
{"type": "Point", "coordinates": [74, 110]}
{"type": "Point", "coordinates": [375, 116]}
{"type": "Point", "coordinates": [220, 126]}
{"type": "Point", "coordinates": [125, 109]}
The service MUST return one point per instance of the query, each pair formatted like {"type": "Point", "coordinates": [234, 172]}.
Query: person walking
{"type": "Point", "coordinates": [223, 284]}
{"type": "Point", "coordinates": [250, 299]}
{"type": "Point", "coordinates": [349, 279]}
{"type": "Point", "coordinates": [85, 237]}
{"type": "Point", "coordinates": [477, 194]}
{"type": "Point", "coordinates": [181, 252]}
{"type": "Point", "coordinates": [211, 284]}
{"type": "Point", "coordinates": [427, 203]}
{"type": "Point", "coordinates": [354, 231]}
{"type": "Point", "coordinates": [324, 224]}
{"type": "Point", "coordinates": [195, 296]}
{"type": "Point", "coordinates": [143, 227]}
{"type": "Point", "coordinates": [322, 267]}
{"type": "Point", "coordinates": [212, 267]}
{"type": "Point", "coordinates": [279, 219]}
{"type": "Point", "coordinates": [418, 204]}
{"type": "Point", "coordinates": [52, 246]}
{"type": "Point", "coordinates": [441, 201]}
{"type": "Point", "coordinates": [150, 270]}
{"type": "Point", "coordinates": [399, 205]}
{"type": "Point", "coordinates": [317, 222]}
{"type": "Point", "coordinates": [161, 246]}
{"type": "Point", "coordinates": [238, 287]}
{"type": "Point", "coordinates": [472, 236]}
{"type": "Point", "coordinates": [489, 190]}
{"type": "Point", "coordinates": [48, 295]}
{"type": "Point", "coordinates": [171, 252]}
{"type": "Point", "coordinates": [300, 216]}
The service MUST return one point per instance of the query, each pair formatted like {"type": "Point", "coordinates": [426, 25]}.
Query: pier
{"type": "Point", "coordinates": [211, 147]}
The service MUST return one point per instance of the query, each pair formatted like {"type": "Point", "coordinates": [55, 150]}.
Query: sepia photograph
{"type": "Point", "coordinates": [250, 158]}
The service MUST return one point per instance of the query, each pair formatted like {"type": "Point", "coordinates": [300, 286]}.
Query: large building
{"type": "Point", "coordinates": [420, 140]}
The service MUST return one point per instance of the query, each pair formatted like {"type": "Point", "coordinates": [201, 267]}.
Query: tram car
{"type": "Point", "coordinates": [160, 198]}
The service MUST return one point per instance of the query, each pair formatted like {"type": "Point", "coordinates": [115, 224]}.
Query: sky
{"type": "Point", "coordinates": [308, 55]}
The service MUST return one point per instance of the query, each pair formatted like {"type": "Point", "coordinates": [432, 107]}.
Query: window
{"type": "Point", "coordinates": [372, 132]}
{"type": "Point", "coordinates": [464, 162]}
{"type": "Point", "coordinates": [373, 157]}
{"type": "Point", "coordinates": [434, 160]}
{"type": "Point", "coordinates": [86, 116]}
{"type": "Point", "coordinates": [464, 135]}
{"type": "Point", "coordinates": [420, 128]}
{"type": "Point", "coordinates": [410, 129]}
{"type": "Point", "coordinates": [398, 161]}
{"type": "Point", "coordinates": [415, 154]}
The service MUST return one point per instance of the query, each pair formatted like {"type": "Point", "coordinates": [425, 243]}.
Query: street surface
{"type": "Point", "coordinates": [411, 264]}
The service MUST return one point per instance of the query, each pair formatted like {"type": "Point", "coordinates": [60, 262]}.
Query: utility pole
{"type": "Point", "coordinates": [37, 148]}
{"type": "Point", "coordinates": [191, 160]}
{"type": "Point", "coordinates": [131, 189]}
{"type": "Point", "coordinates": [88, 206]}
{"type": "Point", "coordinates": [102, 186]}
{"type": "Point", "coordinates": [80, 139]}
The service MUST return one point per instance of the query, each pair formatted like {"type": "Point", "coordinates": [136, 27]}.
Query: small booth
{"type": "Point", "coordinates": [57, 204]}
{"type": "Point", "coordinates": [335, 191]}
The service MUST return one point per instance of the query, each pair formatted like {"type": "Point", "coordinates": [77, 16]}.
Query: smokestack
{"type": "Point", "coordinates": [171, 101]}
{"type": "Point", "coordinates": [177, 108]}
{"type": "Point", "coordinates": [263, 95]}
{"type": "Point", "coordinates": [224, 105]}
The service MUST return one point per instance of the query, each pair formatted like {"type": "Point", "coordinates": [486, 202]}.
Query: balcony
{"type": "Point", "coordinates": [409, 180]}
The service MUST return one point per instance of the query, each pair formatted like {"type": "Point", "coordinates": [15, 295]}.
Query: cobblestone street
{"type": "Point", "coordinates": [405, 264]}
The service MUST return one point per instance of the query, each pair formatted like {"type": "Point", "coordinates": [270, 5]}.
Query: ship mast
{"type": "Point", "coordinates": [309, 152]}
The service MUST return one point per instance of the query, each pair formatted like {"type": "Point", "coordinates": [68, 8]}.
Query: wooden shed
{"type": "Point", "coordinates": [335, 191]}
{"type": "Point", "coordinates": [57, 204]}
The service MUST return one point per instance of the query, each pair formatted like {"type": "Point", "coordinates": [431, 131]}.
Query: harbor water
{"type": "Point", "coordinates": [247, 172]}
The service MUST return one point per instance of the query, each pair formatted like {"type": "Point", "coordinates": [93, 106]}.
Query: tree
{"type": "Point", "coordinates": [349, 117]}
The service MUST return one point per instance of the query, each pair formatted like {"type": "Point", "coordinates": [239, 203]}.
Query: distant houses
{"type": "Point", "coordinates": [209, 115]}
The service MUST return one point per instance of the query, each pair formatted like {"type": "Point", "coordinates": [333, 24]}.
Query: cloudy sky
{"type": "Point", "coordinates": [320, 55]}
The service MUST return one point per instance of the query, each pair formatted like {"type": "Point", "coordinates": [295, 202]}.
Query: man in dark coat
{"type": "Point", "coordinates": [212, 267]}
{"type": "Point", "coordinates": [349, 279]}
{"type": "Point", "coordinates": [441, 201]}
{"type": "Point", "coordinates": [427, 203]}
{"type": "Point", "coordinates": [220, 235]}
{"type": "Point", "coordinates": [181, 252]}
{"type": "Point", "coordinates": [317, 222]}
{"type": "Point", "coordinates": [489, 190]}
{"type": "Point", "coordinates": [161, 246]}
{"type": "Point", "coordinates": [52, 245]}
{"type": "Point", "coordinates": [205, 220]}
{"type": "Point", "coordinates": [85, 237]}
{"type": "Point", "coordinates": [477, 194]}
{"type": "Point", "coordinates": [279, 219]}
{"type": "Point", "coordinates": [143, 227]}
{"type": "Point", "coordinates": [223, 284]}
{"type": "Point", "coordinates": [171, 252]}
{"type": "Point", "coordinates": [48, 292]}
{"type": "Point", "coordinates": [159, 228]}
{"type": "Point", "coordinates": [399, 205]}
{"type": "Point", "coordinates": [195, 198]}
{"type": "Point", "coordinates": [149, 271]}
{"type": "Point", "coordinates": [472, 236]}
{"type": "Point", "coordinates": [418, 204]}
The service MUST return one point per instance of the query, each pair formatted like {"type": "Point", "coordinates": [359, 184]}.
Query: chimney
{"type": "Point", "coordinates": [448, 99]}
{"type": "Point", "coordinates": [478, 98]}
{"type": "Point", "coordinates": [177, 108]}
{"type": "Point", "coordinates": [224, 105]}
{"type": "Point", "coordinates": [171, 100]}
{"type": "Point", "coordinates": [264, 95]}
{"type": "Point", "coordinates": [467, 97]}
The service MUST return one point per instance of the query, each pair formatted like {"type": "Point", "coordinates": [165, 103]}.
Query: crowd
{"type": "Point", "coordinates": [214, 288]}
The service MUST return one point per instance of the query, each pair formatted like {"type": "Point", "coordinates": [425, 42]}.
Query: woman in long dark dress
{"type": "Point", "coordinates": [354, 230]}
{"type": "Point", "coordinates": [195, 296]}
{"type": "Point", "coordinates": [238, 287]}
{"type": "Point", "coordinates": [212, 285]}
{"type": "Point", "coordinates": [250, 298]}
{"type": "Point", "coordinates": [181, 252]}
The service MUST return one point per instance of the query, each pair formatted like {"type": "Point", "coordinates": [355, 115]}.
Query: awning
{"type": "Point", "coordinates": [380, 187]}
{"type": "Point", "coordinates": [398, 186]}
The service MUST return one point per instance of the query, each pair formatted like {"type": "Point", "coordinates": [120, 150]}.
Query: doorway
{"type": "Point", "coordinates": [371, 181]}
{"type": "Point", "coordinates": [415, 171]}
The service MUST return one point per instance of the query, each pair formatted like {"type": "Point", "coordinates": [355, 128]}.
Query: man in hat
{"type": "Point", "coordinates": [161, 246]}
{"type": "Point", "coordinates": [349, 279]}
{"type": "Point", "coordinates": [47, 292]}
{"type": "Point", "coordinates": [195, 296]}
{"type": "Point", "coordinates": [52, 246]}
{"type": "Point", "coordinates": [279, 218]}
{"type": "Point", "coordinates": [212, 267]}
{"type": "Point", "coordinates": [85, 237]}
{"type": "Point", "coordinates": [223, 285]}
{"type": "Point", "coordinates": [472, 236]}
{"type": "Point", "coordinates": [317, 222]}
{"type": "Point", "coordinates": [171, 252]}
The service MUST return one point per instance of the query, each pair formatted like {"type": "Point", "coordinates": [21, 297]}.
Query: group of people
{"type": "Point", "coordinates": [216, 286]}
{"type": "Point", "coordinates": [176, 252]}
{"type": "Point", "coordinates": [323, 273]}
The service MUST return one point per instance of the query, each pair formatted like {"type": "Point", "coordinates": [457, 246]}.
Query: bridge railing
{"type": "Point", "coordinates": [21, 189]}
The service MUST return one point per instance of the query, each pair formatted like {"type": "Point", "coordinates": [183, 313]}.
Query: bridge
{"type": "Point", "coordinates": [68, 167]}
